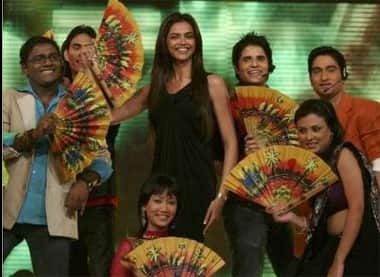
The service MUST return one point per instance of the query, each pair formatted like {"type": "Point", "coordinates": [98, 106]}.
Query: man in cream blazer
{"type": "Point", "coordinates": [37, 207]}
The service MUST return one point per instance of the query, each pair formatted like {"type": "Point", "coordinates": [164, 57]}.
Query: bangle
{"type": "Point", "coordinates": [222, 196]}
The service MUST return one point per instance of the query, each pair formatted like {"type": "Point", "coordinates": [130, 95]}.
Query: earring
{"type": "Point", "coordinates": [172, 224]}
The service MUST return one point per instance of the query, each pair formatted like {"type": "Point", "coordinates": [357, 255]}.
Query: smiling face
{"type": "Point", "coordinates": [43, 66]}
{"type": "Point", "coordinates": [160, 211]}
{"type": "Point", "coordinates": [326, 77]}
{"type": "Point", "coordinates": [253, 66]}
{"type": "Point", "coordinates": [314, 133]}
{"type": "Point", "coordinates": [181, 41]}
{"type": "Point", "coordinates": [81, 43]}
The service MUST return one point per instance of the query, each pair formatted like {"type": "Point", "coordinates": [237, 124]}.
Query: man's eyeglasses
{"type": "Point", "coordinates": [41, 59]}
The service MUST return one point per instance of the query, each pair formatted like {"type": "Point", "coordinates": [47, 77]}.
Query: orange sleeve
{"type": "Point", "coordinates": [117, 269]}
{"type": "Point", "coordinates": [369, 130]}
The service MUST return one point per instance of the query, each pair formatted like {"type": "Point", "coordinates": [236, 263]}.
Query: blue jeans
{"type": "Point", "coordinates": [50, 255]}
{"type": "Point", "coordinates": [251, 233]}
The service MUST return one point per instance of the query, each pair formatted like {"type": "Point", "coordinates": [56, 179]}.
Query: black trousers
{"type": "Point", "coordinates": [92, 254]}
{"type": "Point", "coordinates": [50, 255]}
{"type": "Point", "coordinates": [251, 233]}
{"type": "Point", "coordinates": [360, 262]}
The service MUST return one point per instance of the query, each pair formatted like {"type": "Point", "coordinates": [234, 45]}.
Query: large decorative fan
{"type": "Point", "coordinates": [120, 54]}
{"type": "Point", "coordinates": [82, 121]}
{"type": "Point", "coordinates": [266, 114]}
{"type": "Point", "coordinates": [283, 175]}
{"type": "Point", "coordinates": [172, 256]}
{"type": "Point", "coordinates": [49, 34]}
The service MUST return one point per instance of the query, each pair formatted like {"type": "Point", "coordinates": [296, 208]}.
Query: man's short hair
{"type": "Point", "coordinates": [28, 46]}
{"type": "Point", "coordinates": [333, 53]}
{"type": "Point", "coordinates": [252, 38]}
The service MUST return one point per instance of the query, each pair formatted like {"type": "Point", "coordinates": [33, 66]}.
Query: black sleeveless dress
{"type": "Point", "coordinates": [182, 152]}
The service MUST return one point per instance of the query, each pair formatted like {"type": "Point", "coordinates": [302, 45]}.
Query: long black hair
{"type": "Point", "coordinates": [156, 184]}
{"type": "Point", "coordinates": [325, 110]}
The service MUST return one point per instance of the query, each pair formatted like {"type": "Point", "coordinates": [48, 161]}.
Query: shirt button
{"type": "Point", "coordinates": [34, 172]}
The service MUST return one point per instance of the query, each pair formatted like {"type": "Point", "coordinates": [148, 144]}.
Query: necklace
{"type": "Point", "coordinates": [149, 234]}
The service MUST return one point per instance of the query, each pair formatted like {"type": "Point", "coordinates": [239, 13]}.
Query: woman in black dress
{"type": "Point", "coordinates": [187, 109]}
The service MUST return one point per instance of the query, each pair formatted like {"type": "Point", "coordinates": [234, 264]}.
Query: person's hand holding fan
{"type": "Point", "coordinates": [82, 120]}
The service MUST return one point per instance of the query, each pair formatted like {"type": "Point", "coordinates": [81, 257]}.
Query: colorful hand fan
{"type": "Point", "coordinates": [82, 121]}
{"type": "Point", "coordinates": [49, 34]}
{"type": "Point", "coordinates": [120, 54]}
{"type": "Point", "coordinates": [172, 256]}
{"type": "Point", "coordinates": [279, 175]}
{"type": "Point", "coordinates": [266, 114]}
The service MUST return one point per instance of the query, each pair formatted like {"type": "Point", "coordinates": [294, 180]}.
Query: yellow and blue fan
{"type": "Point", "coordinates": [282, 175]}
{"type": "Point", "coordinates": [265, 114]}
{"type": "Point", "coordinates": [82, 120]}
{"type": "Point", "coordinates": [174, 256]}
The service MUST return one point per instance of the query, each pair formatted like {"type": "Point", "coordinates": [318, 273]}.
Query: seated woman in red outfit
{"type": "Point", "coordinates": [157, 208]}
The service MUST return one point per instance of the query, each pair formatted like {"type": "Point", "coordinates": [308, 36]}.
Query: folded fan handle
{"type": "Point", "coordinates": [102, 84]}
{"type": "Point", "coordinates": [248, 127]}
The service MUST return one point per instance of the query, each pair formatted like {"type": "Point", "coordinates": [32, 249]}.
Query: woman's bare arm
{"type": "Point", "coordinates": [351, 177]}
{"type": "Point", "coordinates": [132, 107]}
{"type": "Point", "coordinates": [220, 101]}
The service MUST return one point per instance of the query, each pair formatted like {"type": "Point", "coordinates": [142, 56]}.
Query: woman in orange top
{"type": "Point", "coordinates": [157, 208]}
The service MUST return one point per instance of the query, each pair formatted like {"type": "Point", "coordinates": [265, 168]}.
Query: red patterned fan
{"type": "Point", "coordinates": [279, 174]}
{"type": "Point", "coordinates": [266, 114]}
{"type": "Point", "coordinates": [120, 54]}
{"type": "Point", "coordinates": [82, 121]}
{"type": "Point", "coordinates": [172, 256]}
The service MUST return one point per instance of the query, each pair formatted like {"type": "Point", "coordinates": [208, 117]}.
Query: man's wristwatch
{"type": "Point", "coordinates": [91, 185]}
{"type": "Point", "coordinates": [90, 178]}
